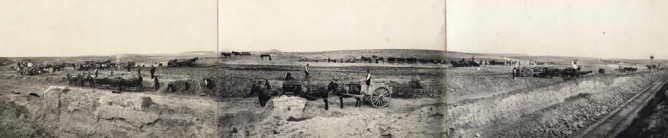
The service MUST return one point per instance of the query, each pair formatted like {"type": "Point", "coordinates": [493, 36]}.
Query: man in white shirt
{"type": "Point", "coordinates": [367, 80]}
{"type": "Point", "coordinates": [306, 71]}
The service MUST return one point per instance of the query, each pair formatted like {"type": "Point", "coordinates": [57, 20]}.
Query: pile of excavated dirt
{"type": "Point", "coordinates": [555, 111]}
{"type": "Point", "coordinates": [76, 112]}
{"type": "Point", "coordinates": [296, 117]}
{"type": "Point", "coordinates": [651, 121]}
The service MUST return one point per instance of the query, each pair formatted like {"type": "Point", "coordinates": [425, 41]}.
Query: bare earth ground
{"type": "Point", "coordinates": [403, 118]}
{"type": "Point", "coordinates": [413, 111]}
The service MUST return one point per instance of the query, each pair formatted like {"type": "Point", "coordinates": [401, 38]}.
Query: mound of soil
{"type": "Point", "coordinates": [75, 112]}
{"type": "Point", "coordinates": [404, 118]}
{"type": "Point", "coordinates": [554, 111]}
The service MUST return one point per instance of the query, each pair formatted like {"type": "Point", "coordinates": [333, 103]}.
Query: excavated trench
{"type": "Point", "coordinates": [559, 110]}
{"type": "Point", "coordinates": [651, 120]}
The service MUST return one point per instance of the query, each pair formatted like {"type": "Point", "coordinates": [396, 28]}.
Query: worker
{"type": "Point", "coordinates": [96, 72]}
{"type": "Point", "coordinates": [306, 71]}
{"type": "Point", "coordinates": [152, 71]}
{"type": "Point", "coordinates": [157, 83]}
{"type": "Point", "coordinates": [514, 72]}
{"type": "Point", "coordinates": [367, 80]}
{"type": "Point", "coordinates": [139, 71]}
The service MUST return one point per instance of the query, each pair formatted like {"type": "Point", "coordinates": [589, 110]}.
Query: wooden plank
{"type": "Point", "coordinates": [353, 95]}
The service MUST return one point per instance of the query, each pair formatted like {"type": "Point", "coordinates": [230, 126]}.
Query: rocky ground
{"type": "Point", "coordinates": [652, 120]}
{"type": "Point", "coordinates": [35, 109]}
{"type": "Point", "coordinates": [557, 110]}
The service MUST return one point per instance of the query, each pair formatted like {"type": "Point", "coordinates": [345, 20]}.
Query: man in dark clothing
{"type": "Point", "coordinates": [152, 71]}
{"type": "Point", "coordinates": [120, 84]}
{"type": "Point", "coordinates": [129, 67]}
{"type": "Point", "coordinates": [513, 72]}
{"type": "Point", "coordinates": [157, 83]}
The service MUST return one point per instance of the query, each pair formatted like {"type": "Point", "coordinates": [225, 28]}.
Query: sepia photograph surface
{"type": "Point", "coordinates": [543, 68]}
{"type": "Point", "coordinates": [222, 68]}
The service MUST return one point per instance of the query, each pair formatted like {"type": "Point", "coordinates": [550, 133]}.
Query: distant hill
{"type": "Point", "coordinates": [563, 60]}
{"type": "Point", "coordinates": [419, 53]}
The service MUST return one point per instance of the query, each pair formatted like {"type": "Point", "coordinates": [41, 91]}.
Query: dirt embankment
{"type": "Point", "coordinates": [558, 110]}
{"type": "Point", "coordinates": [651, 121]}
{"type": "Point", "coordinates": [76, 112]}
{"type": "Point", "coordinates": [295, 117]}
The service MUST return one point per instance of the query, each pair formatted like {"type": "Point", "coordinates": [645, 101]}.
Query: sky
{"type": "Point", "coordinates": [105, 27]}
{"type": "Point", "coordinates": [589, 28]}
{"type": "Point", "coordinates": [318, 25]}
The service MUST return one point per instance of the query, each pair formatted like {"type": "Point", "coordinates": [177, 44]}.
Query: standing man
{"type": "Point", "coordinates": [129, 67]}
{"type": "Point", "coordinates": [138, 71]}
{"type": "Point", "coordinates": [367, 80]}
{"type": "Point", "coordinates": [152, 72]}
{"type": "Point", "coordinates": [306, 71]}
{"type": "Point", "coordinates": [513, 72]}
{"type": "Point", "coordinates": [156, 83]}
{"type": "Point", "coordinates": [96, 72]}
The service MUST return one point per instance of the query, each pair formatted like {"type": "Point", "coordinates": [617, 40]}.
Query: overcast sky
{"type": "Point", "coordinates": [592, 28]}
{"type": "Point", "coordinates": [316, 25]}
{"type": "Point", "coordinates": [105, 27]}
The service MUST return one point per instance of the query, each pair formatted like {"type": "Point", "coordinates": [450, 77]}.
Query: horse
{"type": "Point", "coordinates": [235, 53]}
{"type": "Point", "coordinates": [226, 54]}
{"type": "Point", "coordinates": [265, 55]}
{"type": "Point", "coordinates": [365, 59]}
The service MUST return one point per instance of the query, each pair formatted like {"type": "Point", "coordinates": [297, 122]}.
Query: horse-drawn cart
{"type": "Point", "coordinates": [378, 94]}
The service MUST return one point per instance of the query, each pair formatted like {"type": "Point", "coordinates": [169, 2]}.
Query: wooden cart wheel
{"type": "Point", "coordinates": [381, 97]}
{"type": "Point", "coordinates": [527, 73]}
